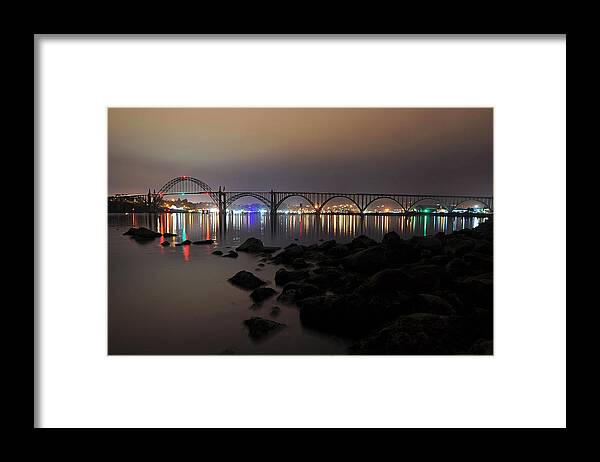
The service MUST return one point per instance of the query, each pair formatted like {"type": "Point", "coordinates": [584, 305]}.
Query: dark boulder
{"type": "Point", "coordinates": [388, 281]}
{"type": "Point", "coordinates": [269, 250]}
{"type": "Point", "coordinates": [482, 347]}
{"type": "Point", "coordinates": [294, 291]}
{"type": "Point", "coordinates": [204, 242]}
{"type": "Point", "coordinates": [165, 243]}
{"type": "Point", "coordinates": [418, 334]}
{"type": "Point", "coordinates": [401, 254]}
{"type": "Point", "coordinates": [275, 311]}
{"type": "Point", "coordinates": [283, 276]}
{"type": "Point", "coordinates": [217, 252]}
{"type": "Point", "coordinates": [457, 267]}
{"type": "Point", "coordinates": [260, 294]}
{"type": "Point", "coordinates": [427, 303]}
{"type": "Point", "coordinates": [289, 254]}
{"type": "Point", "coordinates": [479, 262]}
{"type": "Point", "coordinates": [348, 315]}
{"type": "Point", "coordinates": [458, 244]}
{"type": "Point", "coordinates": [246, 280]}
{"type": "Point", "coordinates": [325, 246]}
{"type": "Point", "coordinates": [259, 328]}
{"type": "Point", "coordinates": [231, 254]}
{"type": "Point", "coordinates": [300, 263]}
{"type": "Point", "coordinates": [477, 291]}
{"type": "Point", "coordinates": [338, 251]}
{"type": "Point", "coordinates": [367, 261]}
{"type": "Point", "coordinates": [142, 233]}
{"type": "Point", "coordinates": [432, 244]}
{"type": "Point", "coordinates": [251, 245]}
{"type": "Point", "coordinates": [361, 242]}
{"type": "Point", "coordinates": [169, 235]}
{"type": "Point", "coordinates": [186, 242]}
{"type": "Point", "coordinates": [392, 239]}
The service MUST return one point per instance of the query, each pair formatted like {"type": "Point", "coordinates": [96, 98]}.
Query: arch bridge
{"type": "Point", "coordinates": [317, 200]}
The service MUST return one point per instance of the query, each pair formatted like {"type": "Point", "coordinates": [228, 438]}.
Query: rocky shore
{"type": "Point", "coordinates": [425, 295]}
{"type": "Point", "coordinates": [420, 296]}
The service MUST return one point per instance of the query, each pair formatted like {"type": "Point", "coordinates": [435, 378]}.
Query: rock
{"type": "Point", "coordinates": [261, 264]}
{"type": "Point", "coordinates": [259, 328]}
{"type": "Point", "coordinates": [270, 250]}
{"type": "Point", "coordinates": [186, 242]}
{"type": "Point", "coordinates": [227, 352]}
{"type": "Point", "coordinates": [275, 311]}
{"type": "Point", "coordinates": [425, 278]}
{"type": "Point", "coordinates": [300, 263]}
{"type": "Point", "coordinates": [457, 267]}
{"type": "Point", "coordinates": [482, 347]}
{"type": "Point", "coordinates": [427, 303]}
{"type": "Point", "coordinates": [283, 276]}
{"type": "Point", "coordinates": [477, 291]}
{"type": "Point", "coordinates": [246, 280]}
{"type": "Point", "coordinates": [388, 281]}
{"type": "Point", "coordinates": [289, 254]}
{"type": "Point", "coordinates": [205, 241]}
{"type": "Point", "coordinates": [260, 294]}
{"type": "Point", "coordinates": [294, 291]}
{"type": "Point", "coordinates": [348, 315]}
{"type": "Point", "coordinates": [458, 244]}
{"type": "Point", "coordinates": [142, 232]}
{"type": "Point", "coordinates": [401, 253]}
{"type": "Point", "coordinates": [392, 239]}
{"type": "Point", "coordinates": [251, 245]}
{"type": "Point", "coordinates": [325, 246]}
{"type": "Point", "coordinates": [169, 235]}
{"type": "Point", "coordinates": [217, 252]}
{"type": "Point", "coordinates": [479, 262]}
{"type": "Point", "coordinates": [432, 244]}
{"type": "Point", "coordinates": [231, 254]}
{"type": "Point", "coordinates": [165, 243]}
{"type": "Point", "coordinates": [418, 334]}
{"type": "Point", "coordinates": [338, 251]}
{"type": "Point", "coordinates": [367, 261]}
{"type": "Point", "coordinates": [361, 242]}
{"type": "Point", "coordinates": [327, 278]}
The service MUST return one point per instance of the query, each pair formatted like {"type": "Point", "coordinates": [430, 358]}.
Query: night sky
{"type": "Point", "coordinates": [421, 151]}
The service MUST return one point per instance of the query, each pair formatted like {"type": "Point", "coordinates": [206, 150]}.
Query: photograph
{"type": "Point", "coordinates": [300, 230]}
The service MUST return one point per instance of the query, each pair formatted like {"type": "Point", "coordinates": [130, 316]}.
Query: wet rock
{"type": "Point", "coordinates": [327, 278]}
{"type": "Point", "coordinates": [294, 291]}
{"type": "Point", "coordinates": [401, 253]}
{"type": "Point", "coordinates": [186, 242]}
{"type": "Point", "coordinates": [392, 239]}
{"type": "Point", "coordinates": [458, 244]}
{"type": "Point", "coordinates": [270, 250]}
{"type": "Point", "coordinates": [289, 254]}
{"type": "Point", "coordinates": [275, 311]}
{"type": "Point", "coordinates": [259, 328]}
{"type": "Point", "coordinates": [260, 294]}
{"type": "Point", "coordinates": [251, 245]}
{"type": "Point", "coordinates": [169, 235]}
{"type": "Point", "coordinates": [418, 334]}
{"type": "Point", "coordinates": [217, 252]}
{"type": "Point", "coordinates": [482, 347]}
{"type": "Point", "coordinates": [479, 262]}
{"type": "Point", "coordinates": [361, 242]}
{"type": "Point", "coordinates": [427, 303]}
{"type": "Point", "coordinates": [338, 251]}
{"type": "Point", "coordinates": [204, 242]}
{"type": "Point", "coordinates": [457, 267]}
{"type": "Point", "coordinates": [142, 233]}
{"type": "Point", "coordinates": [261, 264]}
{"type": "Point", "coordinates": [348, 315]}
{"type": "Point", "coordinates": [325, 246]}
{"type": "Point", "coordinates": [430, 243]}
{"type": "Point", "coordinates": [300, 263]}
{"type": "Point", "coordinates": [246, 280]}
{"type": "Point", "coordinates": [366, 261]}
{"type": "Point", "coordinates": [165, 243]}
{"type": "Point", "coordinates": [425, 278]}
{"type": "Point", "coordinates": [477, 291]}
{"type": "Point", "coordinates": [231, 254]}
{"type": "Point", "coordinates": [388, 281]}
{"type": "Point", "coordinates": [283, 276]}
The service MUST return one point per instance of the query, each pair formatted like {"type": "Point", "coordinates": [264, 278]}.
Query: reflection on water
{"type": "Point", "coordinates": [177, 299]}
{"type": "Point", "coordinates": [283, 228]}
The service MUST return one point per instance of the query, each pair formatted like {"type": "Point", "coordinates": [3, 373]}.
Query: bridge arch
{"type": "Point", "coordinates": [384, 197]}
{"type": "Point", "coordinates": [487, 206]}
{"type": "Point", "coordinates": [231, 199]}
{"type": "Point", "coordinates": [286, 197]}
{"type": "Point", "coordinates": [343, 196]}
{"type": "Point", "coordinates": [187, 185]}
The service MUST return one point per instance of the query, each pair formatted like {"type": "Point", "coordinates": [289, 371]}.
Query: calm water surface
{"type": "Point", "coordinates": [177, 300]}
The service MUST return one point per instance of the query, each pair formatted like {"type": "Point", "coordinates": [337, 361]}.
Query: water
{"type": "Point", "coordinates": [177, 300]}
